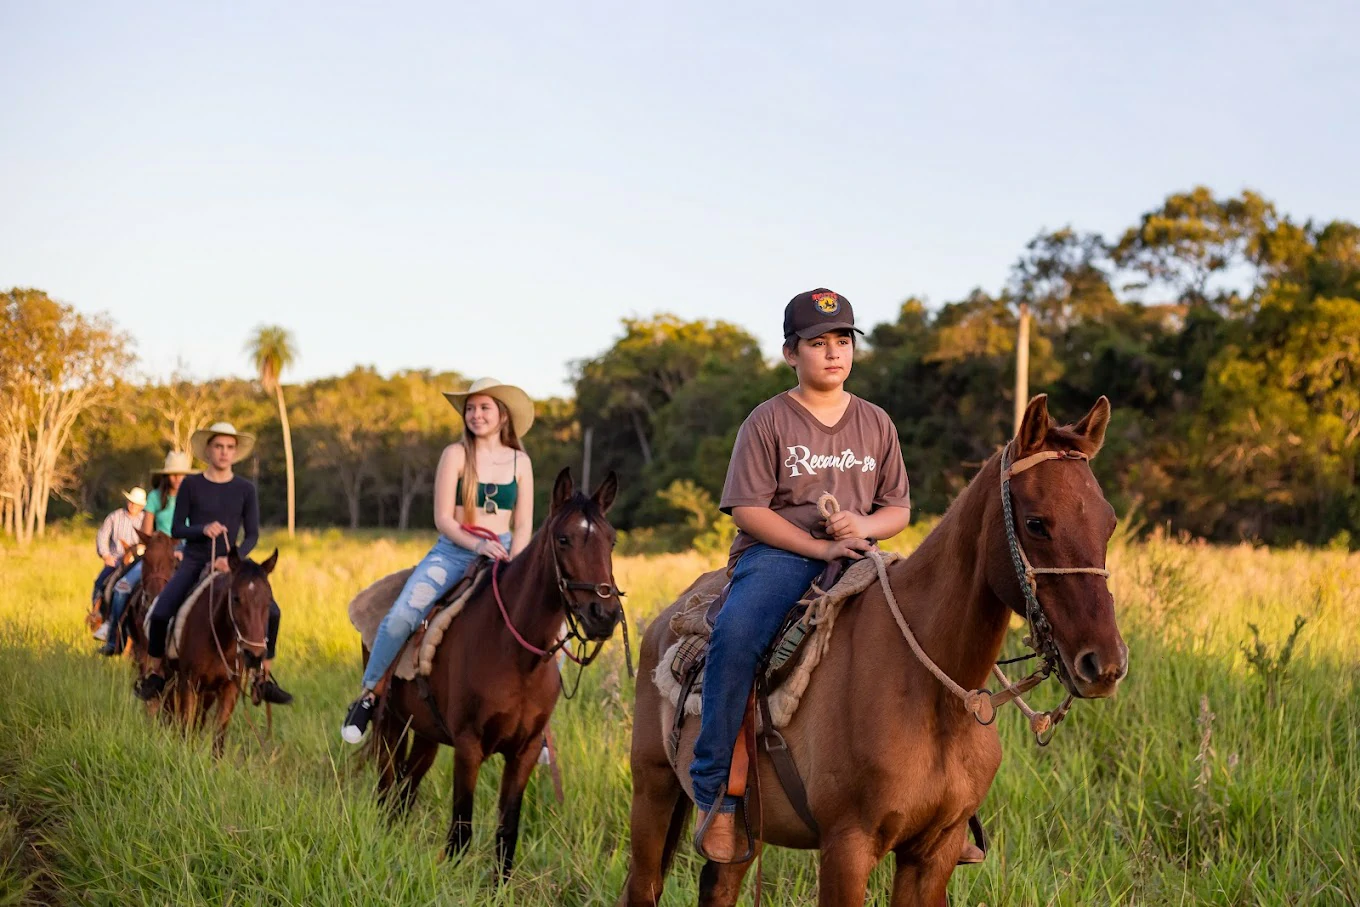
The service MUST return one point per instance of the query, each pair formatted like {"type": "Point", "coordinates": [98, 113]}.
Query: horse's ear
{"type": "Point", "coordinates": [608, 490]}
{"type": "Point", "coordinates": [563, 489]}
{"type": "Point", "coordinates": [233, 560]}
{"type": "Point", "coordinates": [270, 563]}
{"type": "Point", "coordinates": [1034, 426]}
{"type": "Point", "coordinates": [146, 539]}
{"type": "Point", "coordinates": [1092, 425]}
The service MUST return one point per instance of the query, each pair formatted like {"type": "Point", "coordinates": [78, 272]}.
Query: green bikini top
{"type": "Point", "coordinates": [492, 497]}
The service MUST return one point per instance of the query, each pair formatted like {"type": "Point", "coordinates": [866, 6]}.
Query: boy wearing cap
{"type": "Point", "coordinates": [117, 534]}
{"type": "Point", "coordinates": [211, 509]}
{"type": "Point", "coordinates": [813, 439]}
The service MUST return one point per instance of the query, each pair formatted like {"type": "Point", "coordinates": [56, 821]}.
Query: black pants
{"type": "Point", "coordinates": [172, 597]}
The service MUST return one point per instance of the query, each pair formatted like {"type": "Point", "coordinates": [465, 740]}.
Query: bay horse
{"type": "Point", "coordinates": [225, 637]}
{"type": "Point", "coordinates": [892, 760]}
{"type": "Point", "coordinates": [494, 682]}
{"type": "Point", "coordinates": [158, 565]}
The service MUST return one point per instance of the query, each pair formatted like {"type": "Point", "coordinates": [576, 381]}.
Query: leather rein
{"type": "Point", "coordinates": [982, 703]}
{"type": "Point", "coordinates": [604, 590]}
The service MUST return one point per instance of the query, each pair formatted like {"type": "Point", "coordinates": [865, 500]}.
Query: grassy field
{"type": "Point", "coordinates": [1194, 786]}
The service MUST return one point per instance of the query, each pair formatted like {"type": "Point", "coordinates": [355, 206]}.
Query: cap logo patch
{"type": "Point", "coordinates": [827, 303]}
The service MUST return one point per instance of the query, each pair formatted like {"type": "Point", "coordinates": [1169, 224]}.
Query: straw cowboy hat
{"type": "Point", "coordinates": [136, 496]}
{"type": "Point", "coordinates": [516, 401]}
{"type": "Point", "coordinates": [177, 463]}
{"type": "Point", "coordinates": [245, 442]}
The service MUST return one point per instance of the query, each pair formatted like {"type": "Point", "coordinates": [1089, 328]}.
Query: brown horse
{"type": "Point", "coordinates": [892, 761]}
{"type": "Point", "coordinates": [158, 565]}
{"type": "Point", "coordinates": [494, 682]}
{"type": "Point", "coordinates": [225, 638]}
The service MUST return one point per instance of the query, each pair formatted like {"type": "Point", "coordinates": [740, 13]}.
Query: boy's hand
{"type": "Point", "coordinates": [110, 560]}
{"type": "Point", "coordinates": [851, 548]}
{"type": "Point", "coordinates": [846, 525]}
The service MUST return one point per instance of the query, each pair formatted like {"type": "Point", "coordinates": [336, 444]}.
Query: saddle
{"type": "Point", "coordinates": [179, 620]}
{"type": "Point", "coordinates": [781, 677]}
{"type": "Point", "coordinates": [416, 659]}
{"type": "Point", "coordinates": [787, 664]}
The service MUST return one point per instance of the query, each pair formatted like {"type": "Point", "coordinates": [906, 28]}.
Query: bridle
{"type": "Point", "coordinates": [603, 590]}
{"type": "Point", "coordinates": [982, 703]}
{"type": "Point", "coordinates": [233, 671]}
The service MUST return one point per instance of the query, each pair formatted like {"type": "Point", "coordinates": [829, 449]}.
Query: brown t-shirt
{"type": "Point", "coordinates": [785, 459]}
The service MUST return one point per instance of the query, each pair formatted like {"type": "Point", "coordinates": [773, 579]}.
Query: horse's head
{"type": "Point", "coordinates": [159, 557]}
{"type": "Point", "coordinates": [581, 541]}
{"type": "Point", "coordinates": [251, 596]}
{"type": "Point", "coordinates": [1062, 521]}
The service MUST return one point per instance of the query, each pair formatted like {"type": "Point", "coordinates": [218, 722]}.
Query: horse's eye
{"type": "Point", "coordinates": [562, 540]}
{"type": "Point", "coordinates": [1036, 526]}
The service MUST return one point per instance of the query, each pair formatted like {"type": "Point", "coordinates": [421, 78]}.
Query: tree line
{"type": "Point", "coordinates": [1226, 334]}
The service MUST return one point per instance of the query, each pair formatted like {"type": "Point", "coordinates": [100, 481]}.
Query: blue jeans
{"type": "Point", "coordinates": [766, 583]}
{"type": "Point", "coordinates": [122, 591]}
{"type": "Point", "coordinates": [436, 574]}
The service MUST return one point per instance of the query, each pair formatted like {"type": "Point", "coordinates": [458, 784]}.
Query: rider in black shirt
{"type": "Point", "coordinates": [211, 509]}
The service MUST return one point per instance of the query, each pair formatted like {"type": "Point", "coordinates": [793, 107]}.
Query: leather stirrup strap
{"type": "Point", "coordinates": [740, 769]}
{"type": "Point", "coordinates": [423, 687]}
{"type": "Point", "coordinates": [784, 766]}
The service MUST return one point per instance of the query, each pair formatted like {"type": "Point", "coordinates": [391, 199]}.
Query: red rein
{"type": "Point", "coordinates": [485, 534]}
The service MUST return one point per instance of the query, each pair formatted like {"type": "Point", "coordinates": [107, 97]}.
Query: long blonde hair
{"type": "Point", "coordinates": [508, 438]}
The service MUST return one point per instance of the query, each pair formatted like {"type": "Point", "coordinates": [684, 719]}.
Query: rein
{"type": "Point", "coordinates": [982, 703]}
{"type": "Point", "coordinates": [603, 590]}
{"type": "Point", "coordinates": [234, 673]}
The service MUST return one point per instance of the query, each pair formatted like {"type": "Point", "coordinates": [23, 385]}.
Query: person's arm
{"type": "Point", "coordinates": [180, 528]}
{"type": "Point", "coordinates": [101, 540]}
{"type": "Point", "coordinates": [892, 496]}
{"type": "Point", "coordinates": [149, 521]}
{"type": "Point", "coordinates": [250, 520]}
{"type": "Point", "coordinates": [522, 520]}
{"type": "Point", "coordinates": [446, 500]}
{"type": "Point", "coordinates": [764, 525]}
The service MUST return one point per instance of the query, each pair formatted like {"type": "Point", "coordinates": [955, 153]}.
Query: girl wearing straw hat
{"type": "Point", "coordinates": [484, 480]}
{"type": "Point", "coordinates": [157, 517]}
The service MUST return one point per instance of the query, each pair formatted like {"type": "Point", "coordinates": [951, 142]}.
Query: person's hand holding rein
{"type": "Point", "coordinates": [491, 548]}
{"type": "Point", "coordinates": [214, 530]}
{"type": "Point", "coordinates": [852, 548]}
{"type": "Point", "coordinates": [845, 525]}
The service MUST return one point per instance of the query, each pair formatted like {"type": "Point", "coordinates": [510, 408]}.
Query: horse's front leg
{"type": "Point", "coordinates": [847, 859]}
{"type": "Point", "coordinates": [514, 780]}
{"type": "Point", "coordinates": [467, 765]}
{"type": "Point", "coordinates": [226, 705]}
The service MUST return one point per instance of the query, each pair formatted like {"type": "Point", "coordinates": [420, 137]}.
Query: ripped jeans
{"type": "Point", "coordinates": [436, 574]}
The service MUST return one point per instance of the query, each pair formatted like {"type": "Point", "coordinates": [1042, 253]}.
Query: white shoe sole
{"type": "Point", "coordinates": [351, 734]}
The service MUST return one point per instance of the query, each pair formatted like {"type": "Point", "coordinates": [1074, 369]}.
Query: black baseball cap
{"type": "Point", "coordinates": [818, 312]}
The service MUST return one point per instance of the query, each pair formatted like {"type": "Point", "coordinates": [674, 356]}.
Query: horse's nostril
{"type": "Point", "coordinates": [1088, 666]}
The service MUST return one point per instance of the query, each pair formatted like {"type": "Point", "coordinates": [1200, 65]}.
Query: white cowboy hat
{"type": "Point", "coordinates": [516, 401]}
{"type": "Point", "coordinates": [136, 496]}
{"type": "Point", "coordinates": [177, 463]}
{"type": "Point", "coordinates": [245, 442]}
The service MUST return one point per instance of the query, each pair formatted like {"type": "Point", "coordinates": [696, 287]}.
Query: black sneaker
{"type": "Point", "coordinates": [357, 719]}
{"type": "Point", "coordinates": [269, 691]}
{"type": "Point", "coordinates": [108, 649]}
{"type": "Point", "coordinates": [149, 687]}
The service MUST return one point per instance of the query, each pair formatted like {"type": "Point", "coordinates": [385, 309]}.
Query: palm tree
{"type": "Point", "coordinates": [271, 350]}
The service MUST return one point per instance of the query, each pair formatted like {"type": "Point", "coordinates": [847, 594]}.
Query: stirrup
{"type": "Point", "coordinates": [702, 831]}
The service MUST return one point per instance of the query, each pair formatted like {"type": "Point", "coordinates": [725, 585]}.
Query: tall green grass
{"type": "Point", "coordinates": [1189, 787]}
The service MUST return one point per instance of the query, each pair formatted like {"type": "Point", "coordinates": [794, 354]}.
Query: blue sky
{"type": "Point", "coordinates": [491, 187]}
